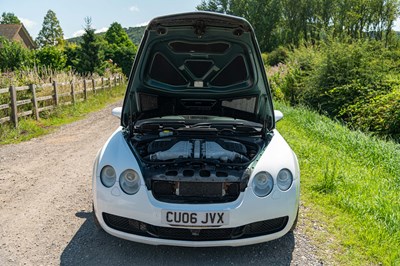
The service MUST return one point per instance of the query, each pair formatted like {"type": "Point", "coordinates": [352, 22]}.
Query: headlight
{"type": "Point", "coordinates": [284, 179]}
{"type": "Point", "coordinates": [129, 182]}
{"type": "Point", "coordinates": [263, 183]}
{"type": "Point", "coordinates": [107, 176]}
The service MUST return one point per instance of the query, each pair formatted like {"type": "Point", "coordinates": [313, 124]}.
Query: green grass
{"type": "Point", "coordinates": [29, 128]}
{"type": "Point", "coordinates": [350, 186]}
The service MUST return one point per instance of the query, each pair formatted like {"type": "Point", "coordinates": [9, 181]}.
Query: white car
{"type": "Point", "coordinates": [197, 160]}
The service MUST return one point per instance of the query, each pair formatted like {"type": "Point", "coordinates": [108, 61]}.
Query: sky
{"type": "Point", "coordinates": [71, 13]}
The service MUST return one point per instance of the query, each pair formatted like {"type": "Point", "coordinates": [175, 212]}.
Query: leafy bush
{"type": "Point", "coordinates": [356, 82]}
{"type": "Point", "coordinates": [71, 53]}
{"type": "Point", "coordinates": [122, 56]}
{"type": "Point", "coordinates": [299, 65]}
{"type": "Point", "coordinates": [52, 57]}
{"type": "Point", "coordinates": [13, 56]}
{"type": "Point", "coordinates": [275, 76]}
{"type": "Point", "coordinates": [279, 55]}
{"type": "Point", "coordinates": [264, 57]}
{"type": "Point", "coordinates": [379, 114]}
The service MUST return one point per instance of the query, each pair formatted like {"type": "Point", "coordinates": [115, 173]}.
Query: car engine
{"type": "Point", "coordinates": [187, 169]}
{"type": "Point", "coordinates": [222, 150]}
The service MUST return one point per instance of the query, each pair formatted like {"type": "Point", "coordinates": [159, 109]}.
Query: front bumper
{"type": "Point", "coordinates": [138, 218]}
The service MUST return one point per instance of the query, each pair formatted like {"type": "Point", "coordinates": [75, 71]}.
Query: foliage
{"type": "Point", "coordinates": [276, 74]}
{"type": "Point", "coordinates": [263, 15]}
{"type": "Point", "coordinates": [71, 53]}
{"type": "Point", "coordinates": [9, 18]}
{"type": "Point", "coordinates": [52, 57]}
{"type": "Point", "coordinates": [121, 56]}
{"type": "Point", "coordinates": [51, 32]}
{"type": "Point", "coordinates": [14, 56]}
{"type": "Point", "coordinates": [117, 35]}
{"type": "Point", "coordinates": [292, 22]}
{"type": "Point", "coordinates": [120, 48]}
{"type": "Point", "coordinates": [356, 82]}
{"type": "Point", "coordinates": [379, 114]}
{"type": "Point", "coordinates": [90, 54]}
{"type": "Point", "coordinates": [279, 55]}
{"type": "Point", "coordinates": [135, 34]}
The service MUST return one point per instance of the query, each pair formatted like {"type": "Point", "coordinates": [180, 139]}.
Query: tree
{"type": "Point", "coordinates": [120, 48]}
{"type": "Point", "coordinates": [293, 22]}
{"type": "Point", "coordinates": [90, 55]}
{"type": "Point", "coordinates": [9, 18]}
{"type": "Point", "coordinates": [71, 53]}
{"type": "Point", "coordinates": [52, 57]}
{"type": "Point", "coordinates": [51, 32]}
{"type": "Point", "coordinates": [220, 6]}
{"type": "Point", "coordinates": [117, 35]}
{"type": "Point", "coordinates": [264, 15]}
{"type": "Point", "coordinates": [14, 56]}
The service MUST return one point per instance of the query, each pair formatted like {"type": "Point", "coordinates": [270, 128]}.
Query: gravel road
{"type": "Point", "coordinates": [46, 219]}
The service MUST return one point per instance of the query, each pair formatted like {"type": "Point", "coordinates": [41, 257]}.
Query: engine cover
{"type": "Point", "coordinates": [198, 149]}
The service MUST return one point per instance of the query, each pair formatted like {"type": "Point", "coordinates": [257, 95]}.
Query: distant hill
{"type": "Point", "coordinates": [134, 33]}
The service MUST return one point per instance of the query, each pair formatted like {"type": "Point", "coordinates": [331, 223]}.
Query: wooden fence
{"type": "Point", "coordinates": [33, 99]}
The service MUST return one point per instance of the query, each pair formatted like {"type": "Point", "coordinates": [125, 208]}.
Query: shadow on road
{"type": "Point", "coordinates": [90, 246]}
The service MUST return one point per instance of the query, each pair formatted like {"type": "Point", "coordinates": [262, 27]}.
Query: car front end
{"type": "Point", "coordinates": [197, 160]}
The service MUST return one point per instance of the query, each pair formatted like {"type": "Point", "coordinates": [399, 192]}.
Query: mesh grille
{"type": "Point", "coordinates": [195, 192]}
{"type": "Point", "coordinates": [266, 227]}
{"type": "Point", "coordinates": [188, 234]}
{"type": "Point", "coordinates": [250, 230]}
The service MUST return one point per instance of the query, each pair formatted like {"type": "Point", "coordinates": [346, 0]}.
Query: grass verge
{"type": "Point", "coordinates": [29, 128]}
{"type": "Point", "coordinates": [350, 186]}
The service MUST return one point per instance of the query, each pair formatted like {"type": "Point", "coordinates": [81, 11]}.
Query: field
{"type": "Point", "coordinates": [350, 188]}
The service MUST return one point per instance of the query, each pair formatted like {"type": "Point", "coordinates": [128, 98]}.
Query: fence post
{"type": "Point", "coordinates": [72, 92]}
{"type": "Point", "coordinates": [34, 101]}
{"type": "Point", "coordinates": [94, 86]}
{"type": "Point", "coordinates": [14, 111]}
{"type": "Point", "coordinates": [109, 82]}
{"type": "Point", "coordinates": [115, 81]}
{"type": "Point", "coordinates": [55, 93]}
{"type": "Point", "coordinates": [102, 83]}
{"type": "Point", "coordinates": [84, 90]}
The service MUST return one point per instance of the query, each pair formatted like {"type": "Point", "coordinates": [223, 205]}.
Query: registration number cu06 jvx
{"type": "Point", "coordinates": [195, 218]}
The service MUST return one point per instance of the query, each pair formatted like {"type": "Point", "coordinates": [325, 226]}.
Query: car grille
{"type": "Point", "coordinates": [196, 192]}
{"type": "Point", "coordinates": [250, 230]}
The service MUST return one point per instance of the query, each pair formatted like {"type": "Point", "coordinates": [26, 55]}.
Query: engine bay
{"type": "Point", "coordinates": [195, 168]}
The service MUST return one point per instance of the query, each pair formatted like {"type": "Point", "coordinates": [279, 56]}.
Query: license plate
{"type": "Point", "coordinates": [194, 218]}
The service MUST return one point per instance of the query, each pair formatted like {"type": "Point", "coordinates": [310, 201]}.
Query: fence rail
{"type": "Point", "coordinates": [36, 98]}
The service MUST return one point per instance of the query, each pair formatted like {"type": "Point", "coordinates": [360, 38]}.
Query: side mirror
{"type": "Point", "coordinates": [278, 115]}
{"type": "Point", "coordinates": [117, 111]}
